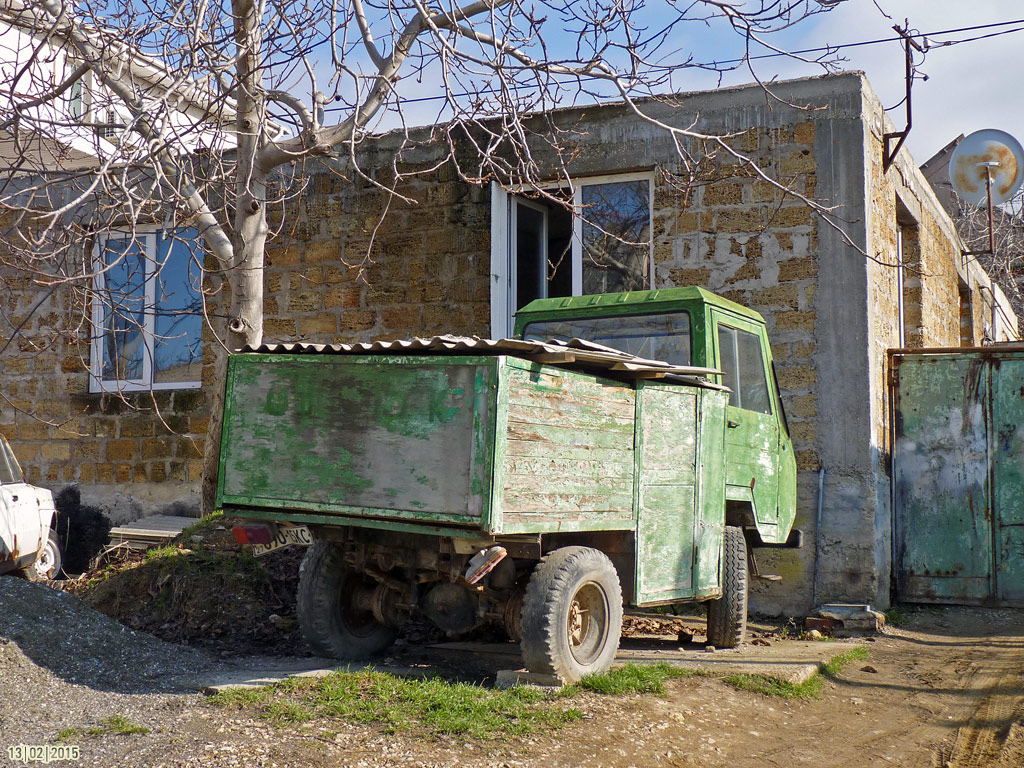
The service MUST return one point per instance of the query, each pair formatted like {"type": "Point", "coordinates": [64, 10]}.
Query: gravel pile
{"type": "Point", "coordinates": [82, 646]}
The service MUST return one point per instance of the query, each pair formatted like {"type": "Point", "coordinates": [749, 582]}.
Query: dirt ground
{"type": "Point", "coordinates": [945, 690]}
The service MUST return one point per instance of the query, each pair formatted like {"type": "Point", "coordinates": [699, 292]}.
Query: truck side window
{"type": "Point", "coordinates": [742, 364]}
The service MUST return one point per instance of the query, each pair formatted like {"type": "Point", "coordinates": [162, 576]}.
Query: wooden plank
{"type": "Point", "coordinates": [562, 436]}
{"type": "Point", "coordinates": [569, 450]}
{"type": "Point", "coordinates": [173, 523]}
{"type": "Point", "coordinates": [520, 484]}
{"type": "Point", "coordinates": [535, 449]}
{"type": "Point", "coordinates": [526, 394]}
{"type": "Point", "coordinates": [562, 467]}
{"type": "Point", "coordinates": [567, 382]}
{"type": "Point", "coordinates": [577, 418]}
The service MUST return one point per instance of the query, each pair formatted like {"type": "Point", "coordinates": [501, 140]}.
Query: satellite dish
{"type": "Point", "coordinates": [983, 152]}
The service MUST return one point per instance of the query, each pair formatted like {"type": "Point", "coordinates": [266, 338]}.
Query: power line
{"type": "Point", "coordinates": [827, 49]}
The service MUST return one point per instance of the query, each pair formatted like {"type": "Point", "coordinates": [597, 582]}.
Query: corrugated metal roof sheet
{"type": "Point", "coordinates": [575, 353]}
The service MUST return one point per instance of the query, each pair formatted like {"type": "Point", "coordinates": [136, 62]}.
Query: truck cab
{"type": "Point", "coordinates": [694, 327]}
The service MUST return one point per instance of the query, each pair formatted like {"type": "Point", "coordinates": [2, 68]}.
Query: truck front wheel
{"type": "Point", "coordinates": [572, 614]}
{"type": "Point", "coordinates": [727, 616]}
{"type": "Point", "coordinates": [333, 607]}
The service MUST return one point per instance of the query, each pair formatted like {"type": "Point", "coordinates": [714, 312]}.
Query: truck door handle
{"type": "Point", "coordinates": [732, 424]}
{"type": "Point", "coordinates": [14, 498]}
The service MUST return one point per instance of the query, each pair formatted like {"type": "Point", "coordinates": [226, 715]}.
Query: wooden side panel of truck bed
{"type": "Point", "coordinates": [368, 436]}
{"type": "Point", "coordinates": [565, 454]}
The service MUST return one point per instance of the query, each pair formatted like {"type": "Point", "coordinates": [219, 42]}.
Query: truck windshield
{"type": "Point", "coordinates": [664, 337]}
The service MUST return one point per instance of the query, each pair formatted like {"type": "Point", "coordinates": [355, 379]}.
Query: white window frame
{"type": "Point", "coordinates": [503, 245]}
{"type": "Point", "coordinates": [146, 237]}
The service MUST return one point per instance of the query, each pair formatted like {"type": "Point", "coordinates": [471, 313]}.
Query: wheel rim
{"type": "Point", "coordinates": [587, 623]}
{"type": "Point", "coordinates": [46, 563]}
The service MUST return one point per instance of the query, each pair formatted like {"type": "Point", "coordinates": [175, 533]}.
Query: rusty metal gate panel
{"type": "Point", "coordinates": [943, 539]}
{"type": "Point", "coordinates": [958, 476]}
{"type": "Point", "coordinates": [1008, 476]}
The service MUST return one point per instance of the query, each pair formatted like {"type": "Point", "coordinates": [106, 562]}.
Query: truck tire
{"type": "Point", "coordinates": [727, 616]}
{"type": "Point", "coordinates": [572, 614]}
{"type": "Point", "coordinates": [331, 619]}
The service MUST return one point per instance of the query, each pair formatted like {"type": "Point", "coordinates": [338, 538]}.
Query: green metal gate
{"type": "Point", "coordinates": [958, 476]}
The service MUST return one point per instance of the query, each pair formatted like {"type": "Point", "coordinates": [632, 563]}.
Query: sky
{"type": "Point", "coordinates": [970, 85]}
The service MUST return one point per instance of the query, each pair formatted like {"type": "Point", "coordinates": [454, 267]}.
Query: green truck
{"type": "Point", "coordinates": [625, 449]}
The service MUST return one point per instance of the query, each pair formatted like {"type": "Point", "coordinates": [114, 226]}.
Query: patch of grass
{"type": "Point", "coordinates": [123, 726]}
{"type": "Point", "coordinates": [431, 705]}
{"type": "Point", "coordinates": [897, 616]}
{"type": "Point", "coordinates": [633, 678]}
{"type": "Point", "coordinates": [809, 689]}
{"type": "Point", "coordinates": [157, 553]}
{"type": "Point", "coordinates": [204, 524]}
{"type": "Point", "coordinates": [287, 713]}
{"type": "Point", "coordinates": [117, 724]}
{"type": "Point", "coordinates": [835, 665]}
{"type": "Point", "coordinates": [769, 686]}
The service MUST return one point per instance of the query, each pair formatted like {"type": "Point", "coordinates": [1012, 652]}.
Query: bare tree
{"type": "Point", "coordinates": [1006, 263]}
{"type": "Point", "coordinates": [192, 106]}
{"type": "Point", "coordinates": [185, 113]}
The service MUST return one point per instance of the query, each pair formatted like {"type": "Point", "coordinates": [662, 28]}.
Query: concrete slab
{"type": "Point", "coordinates": [259, 672]}
{"type": "Point", "coordinates": [791, 661]}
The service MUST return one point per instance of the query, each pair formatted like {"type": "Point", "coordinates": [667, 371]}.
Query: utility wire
{"type": "Point", "coordinates": [827, 49]}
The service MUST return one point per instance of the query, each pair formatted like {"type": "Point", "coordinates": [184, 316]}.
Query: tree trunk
{"type": "Point", "coordinates": [245, 272]}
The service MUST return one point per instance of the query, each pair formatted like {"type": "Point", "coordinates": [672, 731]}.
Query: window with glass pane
{"type": "Point", "coordinates": [616, 236]}
{"type": "Point", "coordinates": [663, 337]}
{"type": "Point", "coordinates": [742, 364]}
{"type": "Point", "coordinates": [123, 299]}
{"type": "Point", "coordinates": [76, 107]}
{"type": "Point", "coordinates": [177, 309]}
{"type": "Point", "coordinates": [148, 311]}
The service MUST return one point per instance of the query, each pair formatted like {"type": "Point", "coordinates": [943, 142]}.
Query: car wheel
{"type": "Point", "coordinates": [50, 561]}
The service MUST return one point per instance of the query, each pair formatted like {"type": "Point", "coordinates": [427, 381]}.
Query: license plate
{"type": "Point", "coordinates": [298, 535]}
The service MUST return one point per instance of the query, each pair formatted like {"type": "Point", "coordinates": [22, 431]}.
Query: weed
{"type": "Point", "coordinates": [432, 705]}
{"type": "Point", "coordinates": [897, 616]}
{"type": "Point", "coordinates": [834, 666]}
{"type": "Point", "coordinates": [122, 725]}
{"type": "Point", "coordinates": [205, 524]}
{"type": "Point", "coordinates": [809, 689]}
{"type": "Point", "coordinates": [116, 724]}
{"type": "Point", "coordinates": [633, 678]}
{"type": "Point", "coordinates": [769, 686]}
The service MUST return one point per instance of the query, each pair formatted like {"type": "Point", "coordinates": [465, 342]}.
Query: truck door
{"type": "Point", "coordinates": [752, 433]}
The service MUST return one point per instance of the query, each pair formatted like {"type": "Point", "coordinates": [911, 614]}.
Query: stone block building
{"type": "Point", "coordinates": [455, 256]}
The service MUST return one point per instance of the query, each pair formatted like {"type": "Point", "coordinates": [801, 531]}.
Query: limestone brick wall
{"type": "Point", "coordinates": [355, 263]}
{"type": "Point", "coordinates": [748, 241]}
{"type": "Point", "coordinates": [131, 454]}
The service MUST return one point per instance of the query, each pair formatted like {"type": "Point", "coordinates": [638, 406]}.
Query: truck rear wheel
{"type": "Point", "coordinates": [334, 607]}
{"type": "Point", "coordinates": [572, 614]}
{"type": "Point", "coordinates": [727, 616]}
